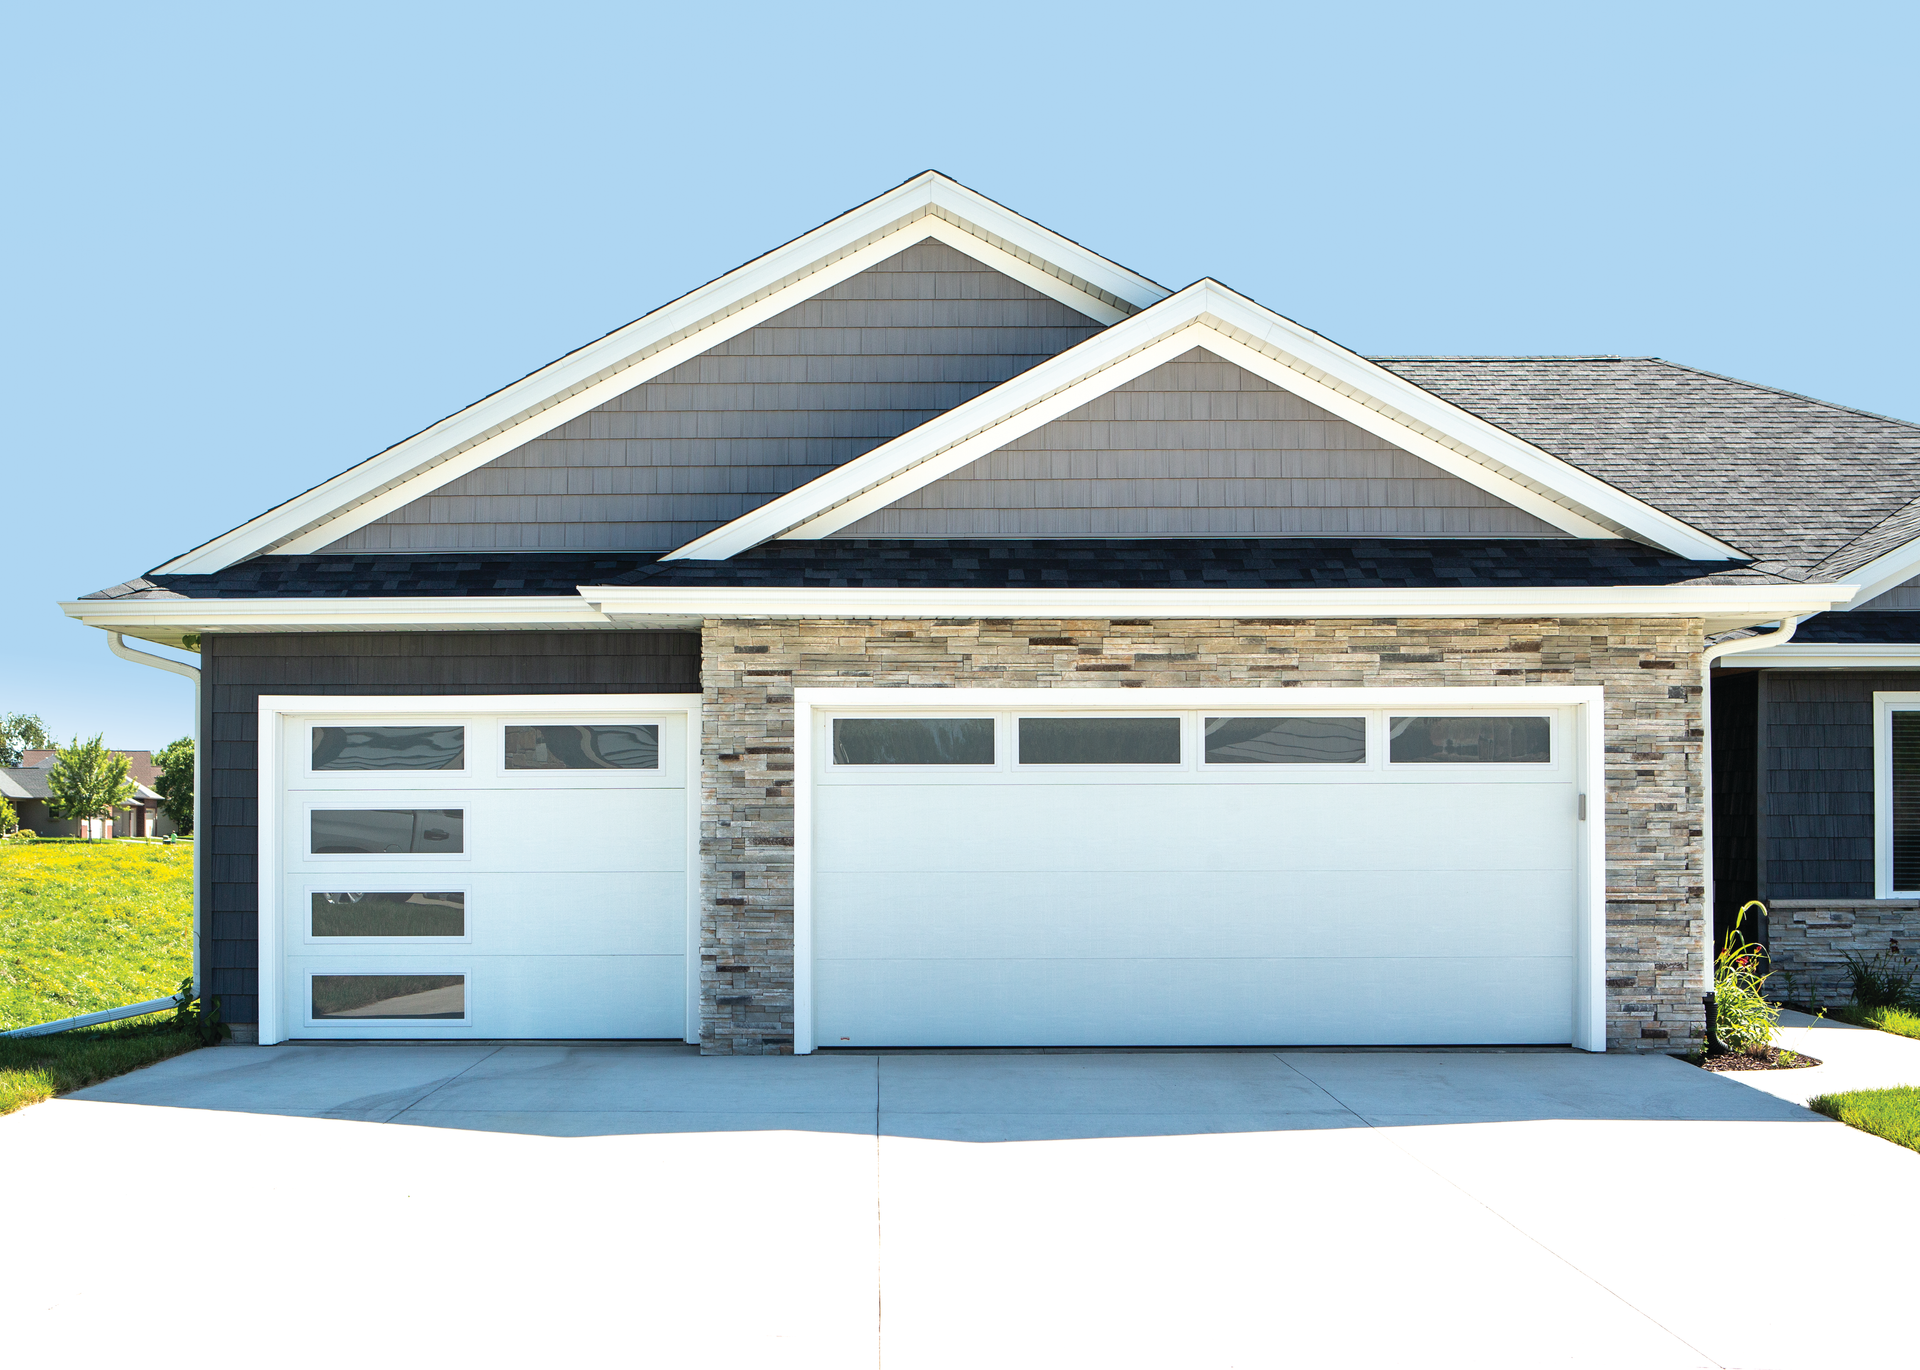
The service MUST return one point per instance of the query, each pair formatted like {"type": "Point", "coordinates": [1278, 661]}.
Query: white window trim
{"type": "Point", "coordinates": [1588, 702]}
{"type": "Point", "coordinates": [458, 966]}
{"type": "Point", "coordinates": [273, 770]}
{"type": "Point", "coordinates": [384, 884]}
{"type": "Point", "coordinates": [1886, 703]}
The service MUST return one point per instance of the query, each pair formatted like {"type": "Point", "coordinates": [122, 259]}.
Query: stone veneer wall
{"type": "Point", "coordinates": [1808, 941]}
{"type": "Point", "coordinates": [1648, 667]}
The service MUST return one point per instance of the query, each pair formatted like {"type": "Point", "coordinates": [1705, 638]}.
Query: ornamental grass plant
{"type": "Point", "coordinates": [1743, 1018]}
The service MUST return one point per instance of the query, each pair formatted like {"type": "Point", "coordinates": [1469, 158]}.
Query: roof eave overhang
{"type": "Point", "coordinates": [1834, 656]}
{"type": "Point", "coordinates": [1722, 607]}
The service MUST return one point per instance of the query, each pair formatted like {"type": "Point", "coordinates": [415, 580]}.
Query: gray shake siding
{"type": "Point", "coordinates": [239, 668]}
{"type": "Point", "coordinates": [771, 409]}
{"type": "Point", "coordinates": [1199, 447]}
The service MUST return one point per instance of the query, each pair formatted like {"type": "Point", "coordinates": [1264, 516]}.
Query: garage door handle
{"type": "Point", "coordinates": [1583, 808]}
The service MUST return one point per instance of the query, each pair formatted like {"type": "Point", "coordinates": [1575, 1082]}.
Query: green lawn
{"type": "Point", "coordinates": [1890, 1113]}
{"type": "Point", "coordinates": [1904, 1022]}
{"type": "Point", "coordinates": [86, 926]}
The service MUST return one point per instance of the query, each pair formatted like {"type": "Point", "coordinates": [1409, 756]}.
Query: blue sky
{"type": "Point", "coordinates": [248, 246]}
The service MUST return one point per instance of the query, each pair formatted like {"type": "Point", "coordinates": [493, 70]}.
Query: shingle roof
{"type": "Point", "coordinates": [1787, 479]}
{"type": "Point", "coordinates": [1871, 626]}
{"type": "Point", "coordinates": [372, 575]}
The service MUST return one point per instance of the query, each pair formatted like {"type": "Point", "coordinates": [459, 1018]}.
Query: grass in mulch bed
{"type": "Point", "coordinates": [1890, 1113]}
{"type": "Point", "coordinates": [1773, 1058]}
{"type": "Point", "coordinates": [37, 1068]}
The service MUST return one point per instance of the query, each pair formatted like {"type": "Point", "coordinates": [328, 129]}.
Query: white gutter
{"type": "Point", "coordinates": [118, 646]}
{"type": "Point", "coordinates": [1779, 637]}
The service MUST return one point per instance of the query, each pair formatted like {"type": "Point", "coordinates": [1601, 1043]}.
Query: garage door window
{"type": "Point", "coordinates": [913, 741]}
{"type": "Point", "coordinates": [381, 913]}
{"type": "Point", "coordinates": [1470, 738]}
{"type": "Point", "coordinates": [1099, 741]}
{"type": "Point", "coordinates": [584, 747]}
{"type": "Point", "coordinates": [389, 997]}
{"type": "Point", "coordinates": [362, 748]}
{"type": "Point", "coordinates": [387, 832]}
{"type": "Point", "coordinates": [1286, 741]}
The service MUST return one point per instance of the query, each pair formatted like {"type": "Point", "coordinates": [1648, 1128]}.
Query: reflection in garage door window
{"type": "Point", "coordinates": [584, 747]}
{"type": "Point", "coordinates": [1285, 741]}
{"type": "Point", "coordinates": [1099, 741]}
{"type": "Point", "coordinates": [913, 741]}
{"type": "Point", "coordinates": [357, 748]}
{"type": "Point", "coordinates": [382, 913]}
{"type": "Point", "coordinates": [363, 997]}
{"type": "Point", "coordinates": [1470, 737]}
{"type": "Point", "coordinates": [388, 832]}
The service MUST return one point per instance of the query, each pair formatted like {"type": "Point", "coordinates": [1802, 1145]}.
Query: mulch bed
{"type": "Point", "coordinates": [1772, 1059]}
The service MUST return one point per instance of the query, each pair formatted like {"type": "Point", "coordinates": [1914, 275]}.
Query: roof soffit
{"type": "Point", "coordinates": [929, 205]}
{"type": "Point", "coordinates": [1210, 315]}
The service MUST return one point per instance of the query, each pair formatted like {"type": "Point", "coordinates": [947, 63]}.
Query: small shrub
{"type": "Point", "coordinates": [1883, 980]}
{"type": "Point", "coordinates": [22, 835]}
{"type": "Point", "coordinates": [197, 1016]}
{"type": "Point", "coordinates": [1742, 1016]}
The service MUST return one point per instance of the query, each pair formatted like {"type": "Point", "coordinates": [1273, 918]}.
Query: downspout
{"type": "Point", "coordinates": [1779, 637]}
{"type": "Point", "coordinates": [118, 646]}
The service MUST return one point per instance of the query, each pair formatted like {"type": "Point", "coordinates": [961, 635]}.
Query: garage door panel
{"type": "Point", "coordinates": [1185, 827]}
{"type": "Point", "coordinates": [518, 996]}
{"type": "Point", "coordinates": [1198, 1002]}
{"type": "Point", "coordinates": [579, 830]}
{"type": "Point", "coordinates": [1258, 913]}
{"type": "Point", "coordinates": [637, 913]}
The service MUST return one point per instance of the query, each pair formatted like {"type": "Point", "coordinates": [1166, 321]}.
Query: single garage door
{"type": "Point", "coordinates": [1365, 876]}
{"type": "Point", "coordinates": [484, 875]}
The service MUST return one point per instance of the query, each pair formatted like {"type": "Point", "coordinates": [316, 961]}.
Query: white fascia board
{"type": "Point", "coordinates": [930, 205]}
{"type": "Point", "coordinates": [1884, 572]}
{"type": "Point", "coordinates": [1838, 656]}
{"type": "Point", "coordinates": [1251, 335]}
{"type": "Point", "coordinates": [163, 619]}
{"type": "Point", "coordinates": [1733, 605]}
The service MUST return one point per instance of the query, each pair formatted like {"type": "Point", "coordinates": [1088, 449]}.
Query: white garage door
{"type": "Point", "coordinates": [984, 877]}
{"type": "Point", "coordinates": [483, 875]}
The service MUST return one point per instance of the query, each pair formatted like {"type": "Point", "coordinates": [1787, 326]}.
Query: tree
{"type": "Point", "coordinates": [9, 820]}
{"type": "Point", "coordinates": [17, 733]}
{"type": "Point", "coordinates": [88, 781]}
{"type": "Point", "coordinates": [175, 784]}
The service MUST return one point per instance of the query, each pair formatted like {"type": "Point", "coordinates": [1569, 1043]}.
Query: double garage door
{"type": "Point", "coordinates": [967, 876]}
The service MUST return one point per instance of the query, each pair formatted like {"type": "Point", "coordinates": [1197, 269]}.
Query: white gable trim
{"type": "Point", "coordinates": [1208, 314]}
{"type": "Point", "coordinates": [930, 205]}
{"type": "Point", "coordinates": [1885, 572]}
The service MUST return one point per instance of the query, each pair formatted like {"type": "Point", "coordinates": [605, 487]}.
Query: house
{"type": "Point", "coordinates": [934, 633]}
{"type": "Point", "coordinates": [25, 787]}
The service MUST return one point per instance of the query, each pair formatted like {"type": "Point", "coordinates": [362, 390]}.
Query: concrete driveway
{"type": "Point", "coordinates": [621, 1204]}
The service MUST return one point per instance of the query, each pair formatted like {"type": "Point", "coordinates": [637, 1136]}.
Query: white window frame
{"type": "Point", "coordinates": [1886, 703]}
{"type": "Point", "coordinates": [462, 968]}
{"type": "Point", "coordinates": [1186, 763]}
{"type": "Point", "coordinates": [1372, 739]}
{"type": "Point", "coordinates": [851, 769]}
{"type": "Point", "coordinates": [275, 768]}
{"type": "Point", "coordinates": [427, 859]}
{"type": "Point", "coordinates": [1583, 762]}
{"type": "Point", "coordinates": [382, 884]}
{"type": "Point", "coordinates": [639, 777]}
{"type": "Point", "coordinates": [376, 778]}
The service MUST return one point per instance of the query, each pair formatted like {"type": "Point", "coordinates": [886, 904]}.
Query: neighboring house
{"type": "Point", "coordinates": [933, 633]}
{"type": "Point", "coordinates": [25, 786]}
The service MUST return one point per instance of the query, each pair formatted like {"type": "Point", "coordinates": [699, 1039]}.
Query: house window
{"type": "Point", "coordinates": [1099, 741]}
{"type": "Point", "coordinates": [1485, 738]}
{"type": "Point", "coordinates": [1285, 741]}
{"type": "Point", "coordinates": [387, 832]}
{"type": "Point", "coordinates": [358, 748]}
{"type": "Point", "coordinates": [1898, 796]}
{"type": "Point", "coordinates": [382, 913]}
{"type": "Point", "coordinates": [376, 997]}
{"type": "Point", "coordinates": [584, 747]}
{"type": "Point", "coordinates": [913, 741]}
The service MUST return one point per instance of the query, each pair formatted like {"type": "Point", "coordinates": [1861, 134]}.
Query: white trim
{"type": "Point", "coordinates": [1885, 704]}
{"type": "Point", "coordinates": [1722, 606]}
{"type": "Point", "coordinates": [141, 617]}
{"type": "Point", "coordinates": [1588, 703]}
{"type": "Point", "coordinates": [1289, 354]}
{"type": "Point", "coordinates": [929, 205]}
{"type": "Point", "coordinates": [273, 770]}
{"type": "Point", "coordinates": [1885, 572]}
{"type": "Point", "coordinates": [1841, 656]}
